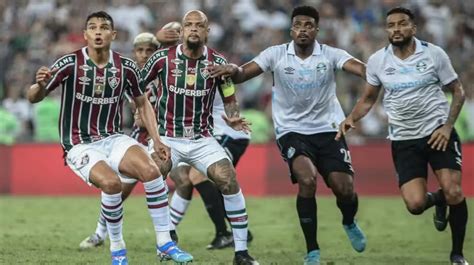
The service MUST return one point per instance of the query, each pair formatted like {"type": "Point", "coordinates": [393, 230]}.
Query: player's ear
{"type": "Point", "coordinates": [114, 34]}
{"type": "Point", "coordinates": [85, 35]}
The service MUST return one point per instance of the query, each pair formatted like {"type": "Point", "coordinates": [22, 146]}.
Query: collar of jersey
{"type": "Point", "coordinates": [180, 52]}
{"type": "Point", "coordinates": [418, 47]}
{"type": "Point", "coordinates": [316, 50]}
{"type": "Point", "coordinates": [89, 60]}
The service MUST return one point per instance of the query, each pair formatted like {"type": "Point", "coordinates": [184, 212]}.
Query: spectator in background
{"type": "Point", "coordinates": [19, 107]}
{"type": "Point", "coordinates": [45, 118]}
{"type": "Point", "coordinates": [8, 127]}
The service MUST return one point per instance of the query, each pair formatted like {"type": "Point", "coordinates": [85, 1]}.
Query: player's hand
{"type": "Point", "coordinates": [238, 123]}
{"type": "Point", "coordinates": [222, 70]}
{"type": "Point", "coordinates": [440, 137]}
{"type": "Point", "coordinates": [162, 150]}
{"type": "Point", "coordinates": [43, 76]}
{"type": "Point", "coordinates": [344, 127]}
{"type": "Point", "coordinates": [167, 36]}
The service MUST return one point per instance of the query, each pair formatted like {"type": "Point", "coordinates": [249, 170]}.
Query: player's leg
{"type": "Point", "coordinates": [97, 238]}
{"type": "Point", "coordinates": [209, 157]}
{"type": "Point", "coordinates": [89, 161]}
{"type": "Point", "coordinates": [447, 168]}
{"type": "Point", "coordinates": [182, 196]}
{"type": "Point", "coordinates": [137, 163]}
{"type": "Point", "coordinates": [294, 150]}
{"type": "Point", "coordinates": [214, 204]}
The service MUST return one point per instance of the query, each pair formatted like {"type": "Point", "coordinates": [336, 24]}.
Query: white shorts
{"type": "Point", "coordinates": [82, 157]}
{"type": "Point", "coordinates": [199, 153]}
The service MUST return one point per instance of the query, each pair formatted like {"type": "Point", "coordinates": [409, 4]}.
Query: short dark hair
{"type": "Point", "coordinates": [401, 10]}
{"type": "Point", "coordinates": [306, 11]}
{"type": "Point", "coordinates": [101, 14]}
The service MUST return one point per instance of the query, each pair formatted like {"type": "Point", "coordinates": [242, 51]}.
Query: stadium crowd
{"type": "Point", "coordinates": [35, 32]}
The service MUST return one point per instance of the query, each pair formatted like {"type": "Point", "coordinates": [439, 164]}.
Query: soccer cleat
{"type": "Point", "coordinates": [312, 258]}
{"type": "Point", "coordinates": [222, 240]}
{"type": "Point", "coordinates": [172, 251]}
{"type": "Point", "coordinates": [439, 217]}
{"type": "Point", "coordinates": [356, 236]}
{"type": "Point", "coordinates": [458, 260]}
{"type": "Point", "coordinates": [174, 236]}
{"type": "Point", "coordinates": [243, 258]}
{"type": "Point", "coordinates": [119, 257]}
{"type": "Point", "coordinates": [91, 241]}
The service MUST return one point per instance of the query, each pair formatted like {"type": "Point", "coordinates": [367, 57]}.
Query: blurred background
{"type": "Point", "coordinates": [36, 32]}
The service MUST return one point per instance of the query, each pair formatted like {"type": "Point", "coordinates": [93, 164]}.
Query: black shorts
{"type": "Point", "coordinates": [411, 157]}
{"type": "Point", "coordinates": [327, 154]}
{"type": "Point", "coordinates": [234, 148]}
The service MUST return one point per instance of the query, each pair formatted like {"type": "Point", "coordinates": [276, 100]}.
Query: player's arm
{"type": "Point", "coordinates": [37, 91]}
{"type": "Point", "coordinates": [362, 107]}
{"type": "Point", "coordinates": [239, 74]}
{"type": "Point", "coordinates": [440, 137]}
{"type": "Point", "coordinates": [355, 66]}
{"type": "Point", "coordinates": [231, 107]}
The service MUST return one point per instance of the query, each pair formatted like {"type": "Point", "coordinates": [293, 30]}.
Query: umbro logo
{"type": "Point", "coordinates": [289, 70]}
{"type": "Point", "coordinates": [390, 71]}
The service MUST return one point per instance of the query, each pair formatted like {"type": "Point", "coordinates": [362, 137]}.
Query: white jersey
{"type": "Point", "coordinates": [413, 99]}
{"type": "Point", "coordinates": [304, 91]}
{"type": "Point", "coordinates": [220, 127]}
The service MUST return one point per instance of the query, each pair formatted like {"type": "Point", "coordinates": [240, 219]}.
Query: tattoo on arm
{"type": "Point", "coordinates": [457, 102]}
{"type": "Point", "coordinates": [232, 109]}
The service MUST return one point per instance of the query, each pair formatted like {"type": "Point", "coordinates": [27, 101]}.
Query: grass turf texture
{"type": "Point", "coordinates": [45, 230]}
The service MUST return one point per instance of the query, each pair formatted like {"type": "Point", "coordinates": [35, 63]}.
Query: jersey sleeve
{"type": "Point", "coordinates": [267, 58]}
{"type": "Point", "coordinates": [443, 66]}
{"type": "Point", "coordinates": [371, 72]}
{"type": "Point", "coordinates": [133, 81]}
{"type": "Point", "coordinates": [153, 66]}
{"type": "Point", "coordinates": [63, 67]}
{"type": "Point", "coordinates": [338, 57]}
{"type": "Point", "coordinates": [226, 87]}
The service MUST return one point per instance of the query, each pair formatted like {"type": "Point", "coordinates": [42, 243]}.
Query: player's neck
{"type": "Point", "coordinates": [304, 52]}
{"type": "Point", "coordinates": [405, 51]}
{"type": "Point", "coordinates": [100, 57]}
{"type": "Point", "coordinates": [193, 53]}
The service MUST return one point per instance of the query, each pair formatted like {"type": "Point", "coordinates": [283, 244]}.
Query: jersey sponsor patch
{"type": "Point", "coordinates": [291, 152]}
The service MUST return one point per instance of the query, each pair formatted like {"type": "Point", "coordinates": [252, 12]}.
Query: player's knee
{"type": "Point", "coordinates": [307, 182]}
{"type": "Point", "coordinates": [149, 173]}
{"type": "Point", "coordinates": [111, 185]}
{"type": "Point", "coordinates": [416, 207]}
{"type": "Point", "coordinates": [453, 194]}
{"type": "Point", "coordinates": [343, 191]}
{"type": "Point", "coordinates": [227, 185]}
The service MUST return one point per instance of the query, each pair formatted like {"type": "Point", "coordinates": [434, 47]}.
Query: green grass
{"type": "Point", "coordinates": [45, 230]}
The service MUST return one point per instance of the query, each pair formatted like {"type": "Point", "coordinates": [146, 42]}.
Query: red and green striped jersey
{"type": "Point", "coordinates": [185, 97]}
{"type": "Point", "coordinates": [91, 98]}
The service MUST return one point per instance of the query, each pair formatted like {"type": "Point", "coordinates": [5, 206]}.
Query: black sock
{"type": "Point", "coordinates": [348, 209]}
{"type": "Point", "coordinates": [307, 210]}
{"type": "Point", "coordinates": [435, 198]}
{"type": "Point", "coordinates": [457, 222]}
{"type": "Point", "coordinates": [214, 204]}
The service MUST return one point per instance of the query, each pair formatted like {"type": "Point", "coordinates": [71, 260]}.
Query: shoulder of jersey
{"type": "Point", "coordinates": [217, 57]}
{"type": "Point", "coordinates": [127, 62]}
{"type": "Point", "coordinates": [66, 60]}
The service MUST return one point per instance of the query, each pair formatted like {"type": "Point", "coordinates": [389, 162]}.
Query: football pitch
{"type": "Point", "coordinates": [47, 230]}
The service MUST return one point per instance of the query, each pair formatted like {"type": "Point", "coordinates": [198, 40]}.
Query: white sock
{"type": "Point", "coordinates": [101, 229]}
{"type": "Point", "coordinates": [178, 207]}
{"type": "Point", "coordinates": [112, 212]}
{"type": "Point", "coordinates": [234, 205]}
{"type": "Point", "coordinates": [157, 201]}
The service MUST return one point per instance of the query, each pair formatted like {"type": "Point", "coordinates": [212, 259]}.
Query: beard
{"type": "Point", "coordinates": [193, 45]}
{"type": "Point", "coordinates": [405, 41]}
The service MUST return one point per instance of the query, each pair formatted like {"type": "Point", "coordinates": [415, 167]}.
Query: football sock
{"type": "Point", "coordinates": [235, 209]}
{"type": "Point", "coordinates": [157, 201]}
{"type": "Point", "coordinates": [112, 212]}
{"type": "Point", "coordinates": [101, 229]}
{"type": "Point", "coordinates": [307, 210]}
{"type": "Point", "coordinates": [348, 209]}
{"type": "Point", "coordinates": [213, 201]}
{"type": "Point", "coordinates": [457, 221]}
{"type": "Point", "coordinates": [178, 207]}
{"type": "Point", "coordinates": [434, 198]}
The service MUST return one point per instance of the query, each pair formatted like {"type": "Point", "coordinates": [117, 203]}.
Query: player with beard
{"type": "Point", "coordinates": [185, 102]}
{"type": "Point", "coordinates": [94, 80]}
{"type": "Point", "coordinates": [306, 114]}
{"type": "Point", "coordinates": [421, 122]}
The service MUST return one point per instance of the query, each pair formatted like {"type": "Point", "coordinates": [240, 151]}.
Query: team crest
{"type": "Point", "coordinates": [321, 68]}
{"type": "Point", "coordinates": [84, 160]}
{"type": "Point", "coordinates": [291, 152]}
{"type": "Point", "coordinates": [204, 73]}
{"type": "Point", "coordinates": [421, 67]}
{"type": "Point", "coordinates": [113, 82]}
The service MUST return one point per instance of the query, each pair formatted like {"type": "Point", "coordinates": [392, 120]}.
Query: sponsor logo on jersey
{"type": "Point", "coordinates": [113, 82]}
{"type": "Point", "coordinates": [421, 67]}
{"type": "Point", "coordinates": [191, 70]}
{"type": "Point", "coordinates": [64, 61]}
{"type": "Point", "coordinates": [113, 70]}
{"type": "Point", "coordinates": [289, 70]}
{"type": "Point", "coordinates": [207, 62]}
{"type": "Point", "coordinates": [84, 160]}
{"type": "Point", "coordinates": [189, 92]}
{"type": "Point", "coordinates": [176, 72]}
{"type": "Point", "coordinates": [177, 61]}
{"type": "Point", "coordinates": [85, 67]}
{"type": "Point", "coordinates": [84, 80]}
{"type": "Point", "coordinates": [94, 100]}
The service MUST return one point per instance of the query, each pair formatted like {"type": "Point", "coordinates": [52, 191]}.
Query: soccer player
{"type": "Point", "coordinates": [185, 103]}
{"type": "Point", "coordinates": [421, 122]}
{"type": "Point", "coordinates": [234, 143]}
{"type": "Point", "coordinates": [94, 80]}
{"type": "Point", "coordinates": [306, 114]}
